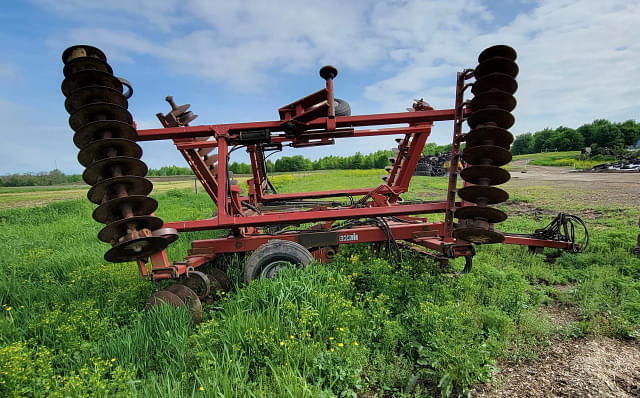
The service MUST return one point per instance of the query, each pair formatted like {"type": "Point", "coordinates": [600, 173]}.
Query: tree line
{"type": "Point", "coordinates": [53, 177]}
{"type": "Point", "coordinates": [375, 160]}
{"type": "Point", "coordinates": [598, 134]}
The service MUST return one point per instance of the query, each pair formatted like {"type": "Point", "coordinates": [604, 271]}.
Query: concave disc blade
{"type": "Point", "coordinates": [219, 278]}
{"type": "Point", "coordinates": [490, 117]}
{"type": "Point", "coordinates": [133, 184]}
{"type": "Point", "coordinates": [81, 51]}
{"type": "Point", "coordinates": [485, 175]}
{"type": "Point", "coordinates": [493, 99]}
{"type": "Point", "coordinates": [98, 111]}
{"type": "Point", "coordinates": [135, 249]}
{"type": "Point", "coordinates": [190, 299]}
{"type": "Point", "coordinates": [198, 282]}
{"type": "Point", "coordinates": [116, 229]}
{"type": "Point", "coordinates": [92, 94]}
{"type": "Point", "coordinates": [486, 155]}
{"type": "Point", "coordinates": [499, 50]}
{"type": "Point", "coordinates": [170, 234]}
{"type": "Point", "coordinates": [86, 63]}
{"type": "Point", "coordinates": [489, 214]}
{"type": "Point", "coordinates": [110, 211]}
{"type": "Point", "coordinates": [489, 135]}
{"type": "Point", "coordinates": [478, 193]}
{"type": "Point", "coordinates": [102, 169]}
{"type": "Point", "coordinates": [496, 65]}
{"type": "Point", "coordinates": [97, 130]}
{"type": "Point", "coordinates": [478, 235]}
{"type": "Point", "coordinates": [97, 150]}
{"type": "Point", "coordinates": [89, 77]}
{"type": "Point", "coordinates": [495, 81]}
{"type": "Point", "coordinates": [163, 297]}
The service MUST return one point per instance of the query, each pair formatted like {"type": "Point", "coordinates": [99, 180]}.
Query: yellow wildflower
{"type": "Point", "coordinates": [340, 345]}
{"type": "Point", "coordinates": [355, 343]}
{"type": "Point", "coordinates": [8, 308]}
{"type": "Point", "coordinates": [282, 343]}
{"type": "Point", "coordinates": [201, 388]}
{"type": "Point", "coordinates": [330, 337]}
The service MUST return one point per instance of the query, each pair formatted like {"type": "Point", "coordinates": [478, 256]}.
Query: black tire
{"type": "Point", "coordinates": [341, 107]}
{"type": "Point", "coordinates": [274, 256]}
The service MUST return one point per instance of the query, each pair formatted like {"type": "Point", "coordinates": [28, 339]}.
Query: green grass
{"type": "Point", "coordinates": [362, 325]}
{"type": "Point", "coordinates": [563, 159]}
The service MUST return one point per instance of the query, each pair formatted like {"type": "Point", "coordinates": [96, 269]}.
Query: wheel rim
{"type": "Point", "coordinates": [272, 269]}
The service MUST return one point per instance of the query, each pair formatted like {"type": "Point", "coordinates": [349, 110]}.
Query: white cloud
{"type": "Point", "coordinates": [239, 42]}
{"type": "Point", "coordinates": [577, 57]}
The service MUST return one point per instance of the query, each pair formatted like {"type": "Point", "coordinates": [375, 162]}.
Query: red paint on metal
{"type": "Point", "coordinates": [310, 121]}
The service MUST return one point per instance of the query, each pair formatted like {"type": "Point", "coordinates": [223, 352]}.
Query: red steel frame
{"type": "Point", "coordinates": [305, 123]}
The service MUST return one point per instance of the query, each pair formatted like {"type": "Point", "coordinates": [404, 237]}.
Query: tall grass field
{"type": "Point", "coordinates": [363, 325]}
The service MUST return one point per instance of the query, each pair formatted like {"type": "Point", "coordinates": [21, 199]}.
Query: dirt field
{"type": "Point", "coordinates": [598, 188]}
{"type": "Point", "coordinates": [588, 367]}
{"type": "Point", "coordinates": [595, 367]}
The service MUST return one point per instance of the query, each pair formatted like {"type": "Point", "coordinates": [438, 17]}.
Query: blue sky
{"type": "Point", "coordinates": [240, 61]}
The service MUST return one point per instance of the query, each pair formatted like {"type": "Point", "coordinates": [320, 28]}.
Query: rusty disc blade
{"type": "Point", "coordinates": [499, 50]}
{"type": "Point", "coordinates": [489, 135]}
{"type": "Point", "coordinates": [493, 99]}
{"type": "Point", "coordinates": [117, 229]}
{"type": "Point", "coordinates": [489, 214]}
{"type": "Point", "coordinates": [496, 65]}
{"type": "Point", "coordinates": [170, 234]}
{"type": "Point", "coordinates": [485, 175]}
{"type": "Point", "coordinates": [198, 282]}
{"type": "Point", "coordinates": [482, 194]}
{"type": "Point", "coordinates": [135, 249]}
{"type": "Point", "coordinates": [478, 235]}
{"type": "Point", "coordinates": [97, 150]}
{"type": "Point", "coordinates": [162, 297]}
{"type": "Point", "coordinates": [220, 279]}
{"type": "Point", "coordinates": [86, 63]}
{"type": "Point", "coordinates": [489, 155]}
{"type": "Point", "coordinates": [92, 94]}
{"type": "Point", "coordinates": [491, 117]}
{"type": "Point", "coordinates": [133, 184]}
{"type": "Point", "coordinates": [89, 77]}
{"type": "Point", "coordinates": [110, 211]}
{"type": "Point", "coordinates": [82, 50]}
{"type": "Point", "coordinates": [102, 129]}
{"type": "Point", "coordinates": [495, 81]}
{"type": "Point", "coordinates": [102, 169]}
{"type": "Point", "coordinates": [98, 111]}
{"type": "Point", "coordinates": [190, 299]}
